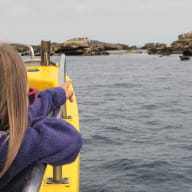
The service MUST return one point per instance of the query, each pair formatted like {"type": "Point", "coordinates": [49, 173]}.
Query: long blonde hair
{"type": "Point", "coordinates": [13, 101]}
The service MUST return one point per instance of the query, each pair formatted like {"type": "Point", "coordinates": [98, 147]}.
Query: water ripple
{"type": "Point", "coordinates": [135, 115]}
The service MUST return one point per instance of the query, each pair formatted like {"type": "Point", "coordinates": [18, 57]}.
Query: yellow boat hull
{"type": "Point", "coordinates": [47, 77]}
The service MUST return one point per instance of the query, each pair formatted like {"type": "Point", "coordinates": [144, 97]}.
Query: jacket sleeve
{"type": "Point", "coordinates": [47, 101]}
{"type": "Point", "coordinates": [50, 141]}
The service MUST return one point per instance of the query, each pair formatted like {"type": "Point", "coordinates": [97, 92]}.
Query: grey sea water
{"type": "Point", "coordinates": [136, 121]}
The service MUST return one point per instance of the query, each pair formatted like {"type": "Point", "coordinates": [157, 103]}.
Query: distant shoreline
{"type": "Point", "coordinates": [86, 47]}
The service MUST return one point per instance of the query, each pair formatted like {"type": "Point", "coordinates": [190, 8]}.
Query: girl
{"type": "Point", "coordinates": [27, 135]}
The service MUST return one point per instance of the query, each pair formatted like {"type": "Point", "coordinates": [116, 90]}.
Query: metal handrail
{"type": "Point", "coordinates": [62, 79]}
{"type": "Point", "coordinates": [33, 61]}
{"type": "Point", "coordinates": [32, 54]}
{"type": "Point", "coordinates": [57, 170]}
{"type": "Point", "coordinates": [35, 179]}
{"type": "Point", "coordinates": [62, 70]}
{"type": "Point", "coordinates": [24, 45]}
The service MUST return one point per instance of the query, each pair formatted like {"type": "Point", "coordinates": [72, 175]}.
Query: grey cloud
{"type": "Point", "coordinates": [126, 21]}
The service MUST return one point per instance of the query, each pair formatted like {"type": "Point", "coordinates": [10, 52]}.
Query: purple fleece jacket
{"type": "Point", "coordinates": [47, 140]}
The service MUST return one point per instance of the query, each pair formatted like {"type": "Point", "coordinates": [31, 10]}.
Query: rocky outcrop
{"type": "Point", "coordinates": [181, 46]}
{"type": "Point", "coordinates": [153, 45]}
{"type": "Point", "coordinates": [77, 46]}
{"type": "Point", "coordinates": [185, 36]}
{"type": "Point", "coordinates": [110, 46]}
{"type": "Point", "coordinates": [133, 47]}
{"type": "Point", "coordinates": [160, 51]}
{"type": "Point", "coordinates": [157, 48]}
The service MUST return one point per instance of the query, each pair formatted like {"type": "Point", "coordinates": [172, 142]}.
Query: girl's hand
{"type": "Point", "coordinates": [69, 93]}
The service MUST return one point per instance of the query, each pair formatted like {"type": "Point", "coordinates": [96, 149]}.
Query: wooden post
{"type": "Point", "coordinates": [45, 53]}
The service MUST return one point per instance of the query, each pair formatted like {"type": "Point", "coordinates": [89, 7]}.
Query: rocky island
{"type": "Point", "coordinates": [183, 45]}
{"type": "Point", "coordinates": [77, 46]}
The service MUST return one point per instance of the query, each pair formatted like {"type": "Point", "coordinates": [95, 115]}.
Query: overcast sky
{"type": "Point", "coordinates": [133, 22]}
